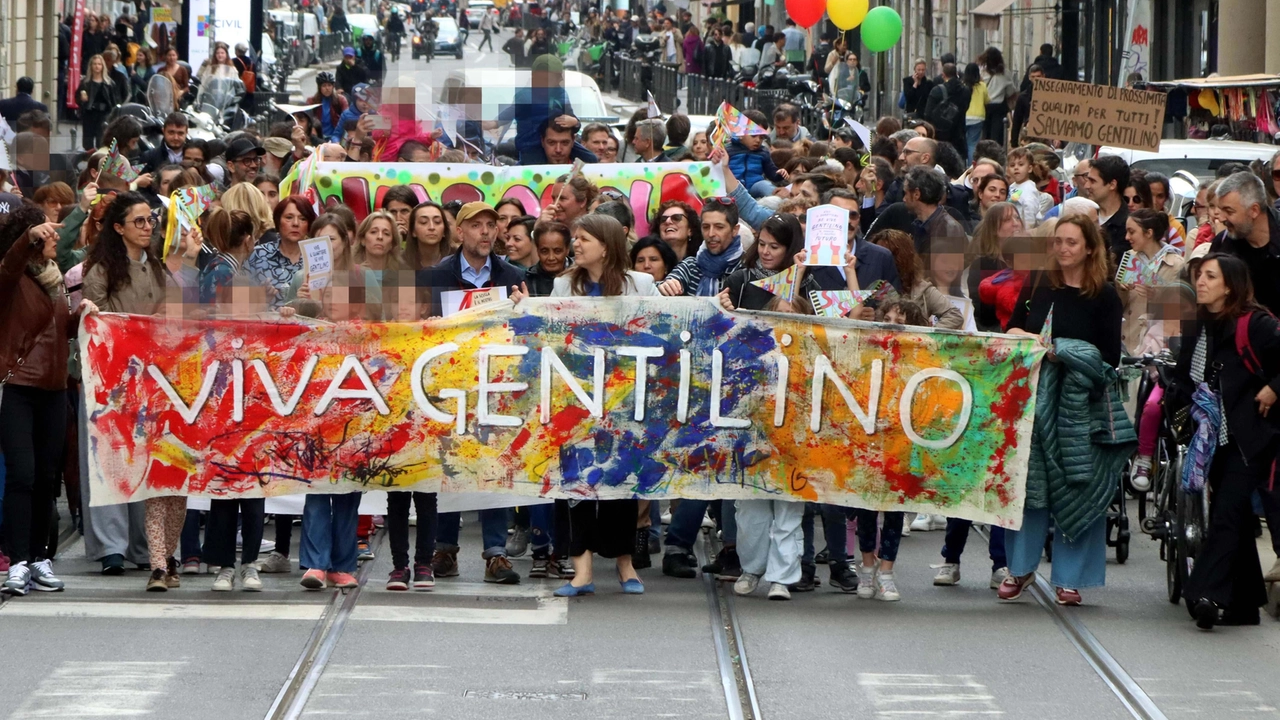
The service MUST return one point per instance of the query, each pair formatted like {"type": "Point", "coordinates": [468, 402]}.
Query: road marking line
{"type": "Point", "coordinates": [82, 689]}
{"type": "Point", "coordinates": [162, 611]}
{"type": "Point", "coordinates": [550, 611]}
{"type": "Point", "coordinates": [889, 692]}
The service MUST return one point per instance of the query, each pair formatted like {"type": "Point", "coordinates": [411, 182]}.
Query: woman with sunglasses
{"type": "Point", "coordinates": [124, 276]}
{"type": "Point", "coordinates": [677, 225]}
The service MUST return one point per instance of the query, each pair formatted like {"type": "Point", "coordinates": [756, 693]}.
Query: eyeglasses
{"type": "Point", "coordinates": [144, 222]}
{"type": "Point", "coordinates": [251, 160]}
{"type": "Point", "coordinates": [673, 218]}
{"type": "Point", "coordinates": [613, 195]}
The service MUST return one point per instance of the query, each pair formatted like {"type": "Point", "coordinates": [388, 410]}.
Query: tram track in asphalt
{"type": "Point", "coordinates": [1127, 690]}
{"type": "Point", "coordinates": [726, 631]}
{"type": "Point", "coordinates": [291, 701]}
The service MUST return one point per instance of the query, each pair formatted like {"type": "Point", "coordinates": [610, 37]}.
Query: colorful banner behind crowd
{"type": "Point", "coordinates": [650, 398]}
{"type": "Point", "coordinates": [360, 186]}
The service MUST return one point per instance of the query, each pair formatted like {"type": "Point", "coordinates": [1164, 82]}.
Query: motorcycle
{"type": "Point", "coordinates": [216, 110]}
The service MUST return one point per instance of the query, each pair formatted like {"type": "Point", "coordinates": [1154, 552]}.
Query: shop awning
{"type": "Point", "coordinates": [1231, 81]}
{"type": "Point", "coordinates": [992, 7]}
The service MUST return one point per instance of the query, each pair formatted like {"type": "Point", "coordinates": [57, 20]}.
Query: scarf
{"type": "Point", "coordinates": [49, 277]}
{"type": "Point", "coordinates": [713, 267]}
{"type": "Point", "coordinates": [1148, 271]}
{"type": "Point", "coordinates": [1206, 410]}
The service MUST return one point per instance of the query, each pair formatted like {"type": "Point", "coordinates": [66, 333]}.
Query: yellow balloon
{"type": "Point", "coordinates": [847, 14]}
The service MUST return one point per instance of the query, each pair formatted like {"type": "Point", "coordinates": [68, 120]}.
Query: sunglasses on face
{"type": "Point", "coordinates": [673, 218]}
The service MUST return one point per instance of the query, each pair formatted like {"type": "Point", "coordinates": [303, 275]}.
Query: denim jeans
{"type": "Point", "coordinates": [546, 532]}
{"type": "Point", "coordinates": [398, 527]}
{"type": "Point", "coordinates": [890, 533]}
{"type": "Point", "coordinates": [493, 531]}
{"type": "Point", "coordinates": [958, 535]}
{"type": "Point", "coordinates": [655, 520]}
{"type": "Point", "coordinates": [1076, 565]}
{"type": "Point", "coordinates": [972, 134]}
{"type": "Point", "coordinates": [329, 532]}
{"type": "Point", "coordinates": [190, 544]}
{"type": "Point", "coordinates": [686, 521]}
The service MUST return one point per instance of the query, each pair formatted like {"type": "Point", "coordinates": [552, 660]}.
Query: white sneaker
{"type": "Point", "coordinates": [19, 580]}
{"type": "Point", "coordinates": [867, 581]}
{"type": "Point", "coordinates": [998, 577]}
{"type": "Point", "coordinates": [707, 522]}
{"type": "Point", "coordinates": [42, 577]}
{"type": "Point", "coordinates": [747, 584]}
{"type": "Point", "coordinates": [249, 580]}
{"type": "Point", "coordinates": [778, 591]}
{"type": "Point", "coordinates": [225, 580]}
{"type": "Point", "coordinates": [925, 522]}
{"type": "Point", "coordinates": [275, 563]}
{"type": "Point", "coordinates": [948, 574]}
{"type": "Point", "coordinates": [267, 546]}
{"type": "Point", "coordinates": [413, 518]}
{"type": "Point", "coordinates": [886, 588]}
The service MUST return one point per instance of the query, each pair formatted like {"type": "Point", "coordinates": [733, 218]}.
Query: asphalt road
{"type": "Point", "coordinates": [105, 648]}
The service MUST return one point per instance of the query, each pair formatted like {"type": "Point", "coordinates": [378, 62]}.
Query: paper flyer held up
{"type": "Point", "coordinates": [826, 235]}
{"type": "Point", "coordinates": [317, 259]}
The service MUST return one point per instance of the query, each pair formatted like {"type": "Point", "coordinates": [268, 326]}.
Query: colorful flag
{"type": "Point", "coordinates": [837, 303]}
{"type": "Point", "coordinates": [654, 111]}
{"type": "Point", "coordinates": [117, 165]}
{"type": "Point", "coordinates": [783, 284]}
{"type": "Point", "coordinates": [737, 124]}
{"type": "Point", "coordinates": [186, 205]}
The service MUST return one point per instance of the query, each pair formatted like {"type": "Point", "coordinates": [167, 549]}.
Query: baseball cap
{"type": "Point", "coordinates": [473, 209]}
{"type": "Point", "coordinates": [348, 51]}
{"type": "Point", "coordinates": [363, 92]}
{"type": "Point", "coordinates": [242, 146]}
{"type": "Point", "coordinates": [548, 63]}
{"type": "Point", "coordinates": [277, 146]}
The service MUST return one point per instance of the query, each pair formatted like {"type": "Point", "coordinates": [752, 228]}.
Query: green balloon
{"type": "Point", "coordinates": [881, 29]}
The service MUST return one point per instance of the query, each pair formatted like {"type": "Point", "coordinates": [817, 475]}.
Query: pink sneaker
{"type": "Point", "coordinates": [342, 580]}
{"type": "Point", "coordinates": [313, 579]}
{"type": "Point", "coordinates": [4, 563]}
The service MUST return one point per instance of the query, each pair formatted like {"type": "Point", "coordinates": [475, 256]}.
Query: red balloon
{"type": "Point", "coordinates": [806, 13]}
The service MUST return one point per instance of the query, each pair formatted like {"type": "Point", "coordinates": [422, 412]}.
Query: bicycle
{"type": "Point", "coordinates": [1178, 520]}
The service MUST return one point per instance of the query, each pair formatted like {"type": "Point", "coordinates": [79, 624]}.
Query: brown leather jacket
{"type": "Point", "coordinates": [34, 327]}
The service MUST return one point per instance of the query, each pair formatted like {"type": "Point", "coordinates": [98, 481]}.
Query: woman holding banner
{"type": "Point", "coordinates": [606, 527]}
{"type": "Point", "coordinates": [1076, 305]}
{"type": "Point", "coordinates": [122, 276]}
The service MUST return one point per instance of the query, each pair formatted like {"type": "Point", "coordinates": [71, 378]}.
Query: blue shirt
{"type": "Point", "coordinates": [328, 128]}
{"type": "Point", "coordinates": [480, 277]}
{"type": "Point", "coordinates": [531, 108]}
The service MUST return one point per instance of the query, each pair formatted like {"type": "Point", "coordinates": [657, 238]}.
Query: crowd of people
{"type": "Point", "coordinates": [970, 239]}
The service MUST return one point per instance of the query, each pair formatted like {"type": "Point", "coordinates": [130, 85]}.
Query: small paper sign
{"type": "Point", "coordinates": [826, 235]}
{"type": "Point", "coordinates": [317, 259]}
{"type": "Point", "coordinates": [862, 131]}
{"type": "Point", "coordinates": [653, 111]}
{"type": "Point", "coordinates": [965, 306]}
{"type": "Point", "coordinates": [836, 303]}
{"type": "Point", "coordinates": [456, 301]}
{"type": "Point", "coordinates": [1046, 332]}
{"type": "Point", "coordinates": [783, 284]}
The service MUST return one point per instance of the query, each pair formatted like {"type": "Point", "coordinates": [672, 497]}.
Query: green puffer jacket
{"type": "Point", "coordinates": [1081, 438]}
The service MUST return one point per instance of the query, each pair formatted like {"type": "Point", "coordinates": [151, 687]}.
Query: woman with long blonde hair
{"type": "Point", "coordinates": [96, 97]}
{"type": "Point", "coordinates": [247, 198]}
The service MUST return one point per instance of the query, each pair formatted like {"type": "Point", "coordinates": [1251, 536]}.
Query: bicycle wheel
{"type": "Point", "coordinates": [1191, 526]}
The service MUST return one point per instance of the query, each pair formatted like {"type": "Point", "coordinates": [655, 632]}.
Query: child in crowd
{"type": "Point", "coordinates": [752, 164]}
{"type": "Point", "coordinates": [1026, 172]}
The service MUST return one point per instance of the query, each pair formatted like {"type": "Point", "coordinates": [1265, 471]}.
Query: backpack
{"type": "Point", "coordinates": [1244, 348]}
{"type": "Point", "coordinates": [945, 114]}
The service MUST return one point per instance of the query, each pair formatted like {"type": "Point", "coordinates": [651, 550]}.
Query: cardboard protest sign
{"type": "Point", "coordinates": [826, 235]}
{"type": "Point", "coordinates": [1096, 114]}
{"type": "Point", "coordinates": [579, 398]}
{"type": "Point", "coordinates": [317, 260]}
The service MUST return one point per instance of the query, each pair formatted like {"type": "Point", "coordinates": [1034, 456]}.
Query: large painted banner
{"type": "Point", "coordinates": [645, 186]}
{"type": "Point", "coordinates": [583, 398]}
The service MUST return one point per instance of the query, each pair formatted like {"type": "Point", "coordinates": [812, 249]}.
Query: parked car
{"type": "Point", "coordinates": [476, 10]}
{"type": "Point", "coordinates": [1201, 158]}
{"type": "Point", "coordinates": [367, 24]}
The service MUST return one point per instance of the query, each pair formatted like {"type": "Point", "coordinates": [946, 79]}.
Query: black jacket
{"type": "Point", "coordinates": [1052, 69]}
{"type": "Point", "coordinates": [959, 94]}
{"type": "Point", "coordinates": [915, 98]}
{"type": "Point", "coordinates": [1264, 264]}
{"type": "Point", "coordinates": [447, 275]}
{"type": "Point", "coordinates": [1113, 229]}
{"type": "Point", "coordinates": [1226, 373]}
{"type": "Point", "coordinates": [22, 102]}
{"type": "Point", "coordinates": [153, 159]}
{"type": "Point", "coordinates": [540, 282]}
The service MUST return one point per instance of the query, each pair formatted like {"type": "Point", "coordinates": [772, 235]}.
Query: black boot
{"type": "Point", "coordinates": [726, 565]}
{"type": "Point", "coordinates": [640, 554]}
{"type": "Point", "coordinates": [1206, 614]}
{"type": "Point", "coordinates": [807, 573]}
{"type": "Point", "coordinates": [680, 565]}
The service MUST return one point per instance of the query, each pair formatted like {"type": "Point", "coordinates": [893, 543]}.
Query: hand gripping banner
{"type": "Point", "coordinates": [583, 398]}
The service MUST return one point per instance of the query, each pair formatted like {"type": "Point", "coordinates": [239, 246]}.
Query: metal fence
{"type": "Point", "coordinates": [634, 79]}
{"type": "Point", "coordinates": [331, 44]}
